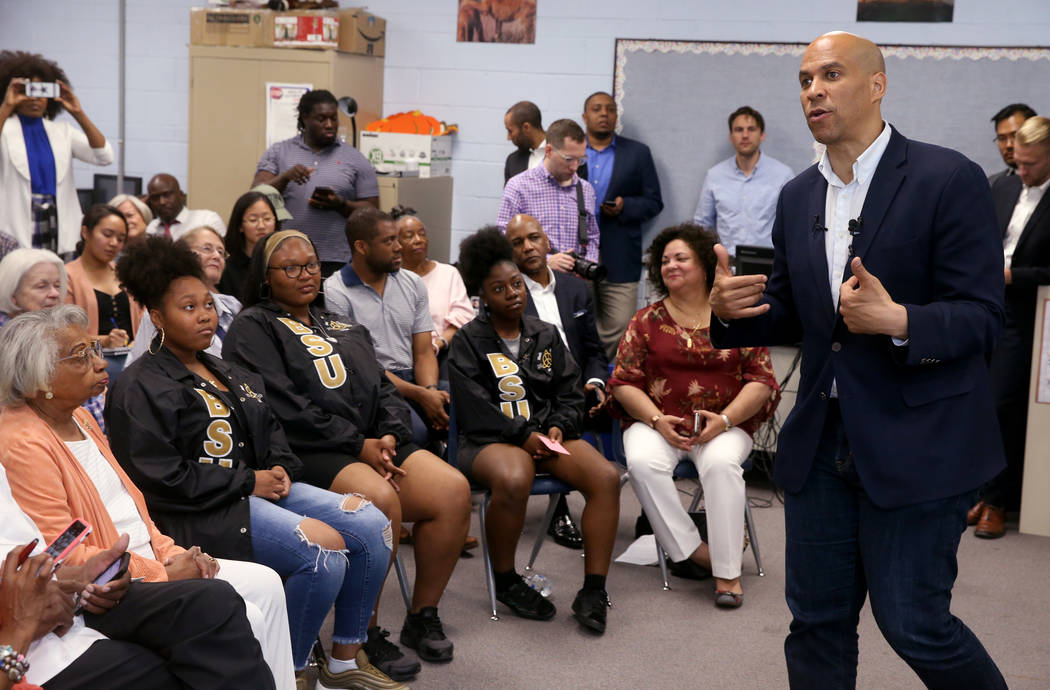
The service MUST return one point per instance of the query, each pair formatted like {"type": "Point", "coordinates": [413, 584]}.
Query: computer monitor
{"type": "Point", "coordinates": [106, 187]}
{"type": "Point", "coordinates": [751, 259]}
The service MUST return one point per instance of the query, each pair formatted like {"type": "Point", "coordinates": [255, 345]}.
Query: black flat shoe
{"type": "Point", "coordinates": [590, 608]}
{"type": "Point", "coordinates": [688, 569]}
{"type": "Point", "coordinates": [526, 602]}
{"type": "Point", "coordinates": [565, 532]}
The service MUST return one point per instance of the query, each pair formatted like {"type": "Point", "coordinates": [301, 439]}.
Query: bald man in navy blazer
{"type": "Point", "coordinates": [889, 270]}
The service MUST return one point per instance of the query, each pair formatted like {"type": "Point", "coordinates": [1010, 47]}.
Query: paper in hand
{"type": "Point", "coordinates": [553, 445]}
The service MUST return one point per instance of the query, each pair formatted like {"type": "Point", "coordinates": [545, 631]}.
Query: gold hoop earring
{"type": "Point", "coordinates": [150, 348]}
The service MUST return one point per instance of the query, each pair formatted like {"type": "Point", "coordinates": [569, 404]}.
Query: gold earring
{"type": "Point", "coordinates": [150, 348]}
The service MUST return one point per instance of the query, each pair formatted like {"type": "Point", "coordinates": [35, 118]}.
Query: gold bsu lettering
{"type": "Point", "coordinates": [329, 365]}
{"type": "Point", "coordinates": [219, 435]}
{"type": "Point", "coordinates": [511, 387]}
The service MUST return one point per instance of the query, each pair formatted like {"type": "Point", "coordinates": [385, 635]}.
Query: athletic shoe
{"type": "Point", "coordinates": [388, 657]}
{"type": "Point", "coordinates": [526, 602]}
{"type": "Point", "coordinates": [365, 677]}
{"type": "Point", "coordinates": [424, 633]}
{"type": "Point", "coordinates": [590, 608]}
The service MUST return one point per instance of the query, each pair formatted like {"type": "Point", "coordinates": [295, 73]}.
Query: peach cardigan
{"type": "Point", "coordinates": [52, 488]}
{"type": "Point", "coordinates": [81, 293]}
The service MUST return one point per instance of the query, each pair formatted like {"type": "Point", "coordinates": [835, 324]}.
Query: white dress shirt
{"type": "Point", "coordinates": [546, 303]}
{"type": "Point", "coordinates": [1026, 203]}
{"type": "Point", "coordinates": [188, 220]}
{"type": "Point", "coordinates": [538, 154]}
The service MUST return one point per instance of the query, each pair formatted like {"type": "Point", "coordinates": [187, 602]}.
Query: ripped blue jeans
{"type": "Point", "coordinates": [315, 578]}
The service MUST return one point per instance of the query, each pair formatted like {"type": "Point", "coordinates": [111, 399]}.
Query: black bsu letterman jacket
{"type": "Point", "coordinates": [193, 450]}
{"type": "Point", "coordinates": [501, 399]}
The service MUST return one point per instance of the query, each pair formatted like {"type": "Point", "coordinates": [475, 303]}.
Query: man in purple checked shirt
{"type": "Point", "coordinates": [548, 193]}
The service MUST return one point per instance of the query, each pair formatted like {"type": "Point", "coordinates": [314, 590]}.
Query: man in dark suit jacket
{"type": "Point", "coordinates": [1007, 121]}
{"type": "Point", "coordinates": [889, 439]}
{"type": "Point", "coordinates": [1022, 209]}
{"type": "Point", "coordinates": [627, 191]}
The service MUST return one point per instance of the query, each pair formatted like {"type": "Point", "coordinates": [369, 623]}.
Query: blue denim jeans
{"type": "Point", "coordinates": [842, 548]}
{"type": "Point", "coordinates": [315, 578]}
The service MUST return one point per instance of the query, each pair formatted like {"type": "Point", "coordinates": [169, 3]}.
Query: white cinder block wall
{"type": "Point", "coordinates": [469, 84]}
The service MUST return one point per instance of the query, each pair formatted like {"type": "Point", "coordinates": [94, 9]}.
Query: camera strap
{"type": "Point", "coordinates": [581, 224]}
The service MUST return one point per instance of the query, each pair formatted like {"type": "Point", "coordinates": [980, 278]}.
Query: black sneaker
{"type": "Point", "coordinates": [590, 608]}
{"type": "Point", "coordinates": [387, 657]}
{"type": "Point", "coordinates": [526, 602]}
{"type": "Point", "coordinates": [423, 632]}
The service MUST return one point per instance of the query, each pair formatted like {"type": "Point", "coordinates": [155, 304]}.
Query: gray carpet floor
{"type": "Point", "coordinates": [678, 639]}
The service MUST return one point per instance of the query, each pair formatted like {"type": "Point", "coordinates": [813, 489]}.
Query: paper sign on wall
{"type": "Point", "coordinates": [1043, 390]}
{"type": "Point", "coordinates": [281, 114]}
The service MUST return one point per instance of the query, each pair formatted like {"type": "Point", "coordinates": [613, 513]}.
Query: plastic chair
{"type": "Point", "coordinates": [543, 485]}
{"type": "Point", "coordinates": [685, 470]}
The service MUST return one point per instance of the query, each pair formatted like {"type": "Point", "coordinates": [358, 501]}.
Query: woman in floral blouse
{"type": "Point", "coordinates": [667, 376]}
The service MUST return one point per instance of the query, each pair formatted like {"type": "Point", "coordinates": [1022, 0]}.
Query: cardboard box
{"type": "Point", "coordinates": [430, 156]}
{"type": "Point", "coordinates": [350, 30]}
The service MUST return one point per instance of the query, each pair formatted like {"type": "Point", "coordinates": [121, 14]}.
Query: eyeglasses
{"type": "Point", "coordinates": [84, 356]}
{"type": "Point", "coordinates": [258, 220]}
{"type": "Point", "coordinates": [571, 159]}
{"type": "Point", "coordinates": [209, 249]}
{"type": "Point", "coordinates": [1003, 138]}
{"type": "Point", "coordinates": [295, 270]}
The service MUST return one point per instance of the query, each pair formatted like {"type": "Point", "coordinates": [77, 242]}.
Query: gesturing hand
{"type": "Point", "coordinates": [298, 174]}
{"type": "Point", "coordinates": [867, 307]}
{"type": "Point", "coordinates": [735, 297]}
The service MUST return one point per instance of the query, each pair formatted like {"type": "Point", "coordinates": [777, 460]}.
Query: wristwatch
{"type": "Point", "coordinates": [729, 424]}
{"type": "Point", "coordinates": [654, 419]}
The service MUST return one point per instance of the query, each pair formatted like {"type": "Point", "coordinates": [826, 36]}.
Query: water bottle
{"type": "Point", "coordinates": [539, 582]}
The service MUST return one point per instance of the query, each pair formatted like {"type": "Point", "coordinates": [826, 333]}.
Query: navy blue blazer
{"type": "Point", "coordinates": [920, 418]}
{"type": "Point", "coordinates": [577, 318]}
{"type": "Point", "coordinates": [634, 178]}
{"type": "Point", "coordinates": [1030, 264]}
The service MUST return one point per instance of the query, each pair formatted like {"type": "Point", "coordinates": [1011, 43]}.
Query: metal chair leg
{"type": "Point", "coordinates": [490, 580]}
{"type": "Point", "coordinates": [754, 538]}
{"type": "Point", "coordinates": [551, 505]}
{"type": "Point", "coordinates": [661, 558]}
{"type": "Point", "coordinates": [402, 580]}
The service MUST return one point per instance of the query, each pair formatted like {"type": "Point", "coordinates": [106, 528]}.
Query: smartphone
{"type": "Point", "coordinates": [70, 538]}
{"type": "Point", "coordinates": [323, 191]}
{"type": "Point", "coordinates": [696, 423]}
{"type": "Point", "coordinates": [608, 204]}
{"type": "Point", "coordinates": [115, 571]}
{"type": "Point", "coordinates": [42, 89]}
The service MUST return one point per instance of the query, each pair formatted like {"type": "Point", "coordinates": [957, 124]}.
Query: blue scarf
{"type": "Point", "coordinates": [41, 159]}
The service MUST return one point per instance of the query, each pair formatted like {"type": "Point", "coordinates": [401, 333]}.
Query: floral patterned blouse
{"type": "Point", "coordinates": [681, 371]}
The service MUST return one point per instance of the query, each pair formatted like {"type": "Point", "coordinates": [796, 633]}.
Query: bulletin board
{"type": "Point", "coordinates": [675, 96]}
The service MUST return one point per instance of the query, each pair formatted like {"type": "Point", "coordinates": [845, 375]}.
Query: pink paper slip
{"type": "Point", "coordinates": [553, 445]}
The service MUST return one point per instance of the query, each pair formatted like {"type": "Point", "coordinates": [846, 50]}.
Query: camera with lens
{"type": "Point", "coordinates": [589, 270]}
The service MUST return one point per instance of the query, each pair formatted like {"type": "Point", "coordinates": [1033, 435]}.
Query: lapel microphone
{"type": "Point", "coordinates": [817, 227]}
{"type": "Point", "coordinates": [854, 227]}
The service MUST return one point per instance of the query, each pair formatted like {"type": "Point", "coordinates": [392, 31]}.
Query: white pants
{"type": "Point", "coordinates": [651, 461]}
{"type": "Point", "coordinates": [263, 594]}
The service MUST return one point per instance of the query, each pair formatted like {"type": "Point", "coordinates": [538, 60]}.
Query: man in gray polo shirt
{"type": "Point", "coordinates": [393, 305]}
{"type": "Point", "coordinates": [322, 179]}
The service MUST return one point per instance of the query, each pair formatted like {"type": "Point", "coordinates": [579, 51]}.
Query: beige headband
{"type": "Point", "coordinates": [274, 241]}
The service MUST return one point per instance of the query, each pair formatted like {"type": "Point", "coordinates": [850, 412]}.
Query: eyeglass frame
{"type": "Point", "coordinates": [570, 159]}
{"type": "Point", "coordinates": [94, 348]}
{"type": "Point", "coordinates": [209, 250]}
{"type": "Point", "coordinates": [300, 267]}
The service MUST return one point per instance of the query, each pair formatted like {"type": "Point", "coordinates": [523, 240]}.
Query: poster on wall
{"type": "Point", "coordinates": [496, 21]}
{"type": "Point", "coordinates": [281, 114]}
{"type": "Point", "coordinates": [905, 10]}
{"type": "Point", "coordinates": [1043, 388]}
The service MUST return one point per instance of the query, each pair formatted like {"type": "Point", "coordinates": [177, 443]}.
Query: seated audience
{"type": "Point", "coordinates": [195, 435]}
{"type": "Point", "coordinates": [563, 301]}
{"type": "Point", "coordinates": [393, 305]}
{"type": "Point", "coordinates": [253, 218]}
{"type": "Point", "coordinates": [203, 641]}
{"type": "Point", "coordinates": [38, 197]}
{"type": "Point", "coordinates": [207, 246]}
{"type": "Point", "coordinates": [171, 217]}
{"type": "Point", "coordinates": [93, 284]}
{"type": "Point", "coordinates": [667, 372]}
{"type": "Point", "coordinates": [515, 385]}
{"type": "Point", "coordinates": [450, 306]}
{"type": "Point", "coordinates": [32, 279]}
{"type": "Point", "coordinates": [346, 422]}
{"type": "Point", "coordinates": [135, 211]}
{"type": "Point", "coordinates": [60, 468]}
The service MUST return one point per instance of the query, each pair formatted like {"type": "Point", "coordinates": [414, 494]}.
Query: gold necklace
{"type": "Point", "coordinates": [697, 324]}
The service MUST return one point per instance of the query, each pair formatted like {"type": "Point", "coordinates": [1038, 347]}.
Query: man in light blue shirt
{"type": "Point", "coordinates": [739, 196]}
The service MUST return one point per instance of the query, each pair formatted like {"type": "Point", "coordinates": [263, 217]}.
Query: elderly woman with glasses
{"type": "Point", "coordinates": [60, 467]}
{"type": "Point", "coordinates": [207, 245]}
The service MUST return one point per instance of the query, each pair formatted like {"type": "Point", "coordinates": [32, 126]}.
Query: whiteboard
{"type": "Point", "coordinates": [675, 96]}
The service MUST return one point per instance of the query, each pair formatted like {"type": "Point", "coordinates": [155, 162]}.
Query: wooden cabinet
{"type": "Point", "coordinates": [432, 198]}
{"type": "Point", "coordinates": [227, 134]}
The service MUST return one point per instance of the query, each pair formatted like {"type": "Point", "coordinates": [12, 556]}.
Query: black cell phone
{"type": "Point", "coordinates": [610, 204]}
{"type": "Point", "coordinates": [696, 423]}
{"type": "Point", "coordinates": [115, 571]}
{"type": "Point", "coordinates": [323, 191]}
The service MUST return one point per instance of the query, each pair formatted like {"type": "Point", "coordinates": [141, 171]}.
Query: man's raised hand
{"type": "Point", "coordinates": [735, 297]}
